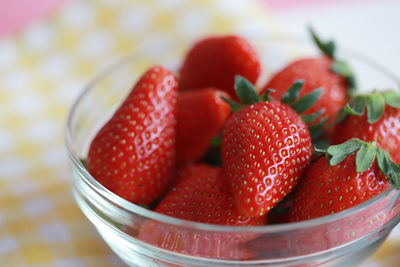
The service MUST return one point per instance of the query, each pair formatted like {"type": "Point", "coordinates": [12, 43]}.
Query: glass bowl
{"type": "Point", "coordinates": [141, 237]}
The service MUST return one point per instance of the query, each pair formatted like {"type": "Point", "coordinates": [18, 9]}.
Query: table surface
{"type": "Point", "coordinates": [44, 66]}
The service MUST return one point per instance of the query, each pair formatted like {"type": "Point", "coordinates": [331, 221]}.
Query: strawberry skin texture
{"type": "Point", "coordinates": [133, 155]}
{"type": "Point", "coordinates": [265, 148]}
{"type": "Point", "coordinates": [202, 195]}
{"type": "Point", "coordinates": [200, 115]}
{"type": "Point", "coordinates": [386, 131]}
{"type": "Point", "coordinates": [214, 62]}
{"type": "Point", "coordinates": [326, 189]}
{"type": "Point", "coordinates": [316, 74]}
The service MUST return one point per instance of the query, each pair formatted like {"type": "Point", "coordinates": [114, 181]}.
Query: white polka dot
{"type": "Point", "coordinates": [53, 156]}
{"type": "Point", "coordinates": [193, 22]}
{"type": "Point", "coordinates": [7, 244]}
{"type": "Point", "coordinates": [70, 90]}
{"type": "Point", "coordinates": [135, 21]}
{"type": "Point", "coordinates": [54, 233]}
{"type": "Point", "coordinates": [39, 37]}
{"type": "Point", "coordinates": [78, 14]}
{"type": "Point", "coordinates": [37, 207]}
{"type": "Point", "coordinates": [96, 44]}
{"type": "Point", "coordinates": [15, 80]}
{"type": "Point", "coordinates": [112, 2]}
{"type": "Point", "coordinates": [56, 66]}
{"type": "Point", "coordinates": [8, 53]}
{"type": "Point", "coordinates": [156, 43]}
{"type": "Point", "coordinates": [7, 141]}
{"type": "Point", "coordinates": [30, 104]}
{"type": "Point", "coordinates": [23, 187]}
{"type": "Point", "coordinates": [11, 168]}
{"type": "Point", "coordinates": [42, 130]}
{"type": "Point", "coordinates": [170, 5]}
{"type": "Point", "coordinates": [70, 262]}
{"type": "Point", "coordinates": [231, 7]}
{"type": "Point", "coordinates": [252, 29]}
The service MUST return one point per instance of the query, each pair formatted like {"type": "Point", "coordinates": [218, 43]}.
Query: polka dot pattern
{"type": "Point", "coordinates": [42, 70]}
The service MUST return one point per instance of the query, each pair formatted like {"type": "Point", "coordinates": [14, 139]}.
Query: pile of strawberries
{"type": "Point", "coordinates": [209, 146]}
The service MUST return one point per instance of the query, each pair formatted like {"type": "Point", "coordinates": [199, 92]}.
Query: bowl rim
{"type": "Point", "coordinates": [135, 209]}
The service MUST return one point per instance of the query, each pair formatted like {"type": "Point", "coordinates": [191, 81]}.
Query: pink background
{"type": "Point", "coordinates": [15, 14]}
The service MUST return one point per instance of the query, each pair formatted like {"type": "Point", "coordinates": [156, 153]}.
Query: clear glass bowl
{"type": "Point", "coordinates": [142, 237]}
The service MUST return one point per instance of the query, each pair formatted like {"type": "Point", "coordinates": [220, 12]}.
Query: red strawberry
{"type": "Point", "coordinates": [200, 116]}
{"type": "Point", "coordinates": [133, 154]}
{"type": "Point", "coordinates": [202, 196]}
{"type": "Point", "coordinates": [353, 179]}
{"type": "Point", "coordinates": [328, 189]}
{"type": "Point", "coordinates": [381, 122]}
{"type": "Point", "coordinates": [345, 181]}
{"type": "Point", "coordinates": [265, 148]}
{"type": "Point", "coordinates": [316, 73]}
{"type": "Point", "coordinates": [326, 72]}
{"type": "Point", "coordinates": [369, 222]}
{"type": "Point", "coordinates": [215, 61]}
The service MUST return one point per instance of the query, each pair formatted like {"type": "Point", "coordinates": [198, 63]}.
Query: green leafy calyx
{"type": "Point", "coordinates": [246, 93]}
{"type": "Point", "coordinates": [328, 47]}
{"type": "Point", "coordinates": [343, 69]}
{"type": "Point", "coordinates": [303, 104]}
{"type": "Point", "coordinates": [374, 103]}
{"type": "Point", "coordinates": [217, 140]}
{"type": "Point", "coordinates": [84, 162]}
{"type": "Point", "coordinates": [338, 66]}
{"type": "Point", "coordinates": [366, 153]}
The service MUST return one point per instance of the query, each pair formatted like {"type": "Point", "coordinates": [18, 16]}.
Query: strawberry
{"type": "Point", "coordinates": [370, 222]}
{"type": "Point", "coordinates": [326, 72]}
{"type": "Point", "coordinates": [201, 195]}
{"type": "Point", "coordinates": [133, 153]}
{"type": "Point", "coordinates": [265, 148]}
{"type": "Point", "coordinates": [381, 122]}
{"type": "Point", "coordinates": [344, 181]}
{"type": "Point", "coordinates": [204, 196]}
{"type": "Point", "coordinates": [215, 61]}
{"type": "Point", "coordinates": [200, 116]}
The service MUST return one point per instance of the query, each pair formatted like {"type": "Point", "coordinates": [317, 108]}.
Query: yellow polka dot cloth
{"type": "Point", "coordinates": [42, 70]}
